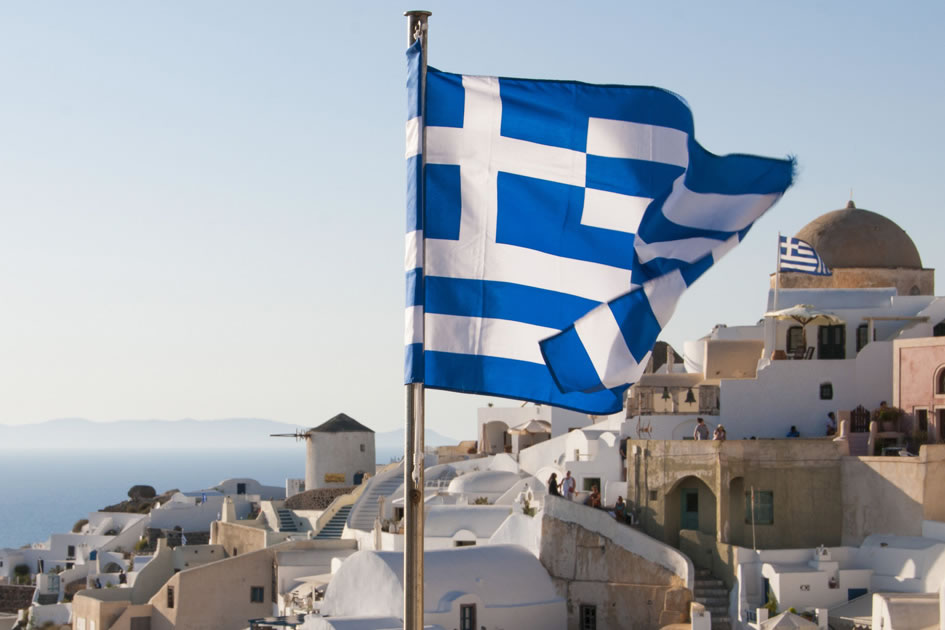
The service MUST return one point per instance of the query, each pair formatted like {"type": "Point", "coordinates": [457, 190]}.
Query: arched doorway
{"type": "Point", "coordinates": [690, 505]}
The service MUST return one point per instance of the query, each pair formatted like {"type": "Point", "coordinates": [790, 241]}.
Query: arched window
{"type": "Point", "coordinates": [940, 381]}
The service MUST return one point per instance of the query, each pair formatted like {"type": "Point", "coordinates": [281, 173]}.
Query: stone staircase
{"type": "Point", "coordinates": [711, 593]}
{"type": "Point", "coordinates": [286, 521]}
{"type": "Point", "coordinates": [336, 525]}
{"type": "Point", "coordinates": [364, 510]}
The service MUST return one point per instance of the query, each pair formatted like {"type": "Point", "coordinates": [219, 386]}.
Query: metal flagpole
{"type": "Point", "coordinates": [777, 275]}
{"type": "Point", "coordinates": [414, 429]}
{"type": "Point", "coordinates": [754, 545]}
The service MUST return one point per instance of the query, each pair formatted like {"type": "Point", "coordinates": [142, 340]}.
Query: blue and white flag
{"type": "Point", "coordinates": [557, 225]}
{"type": "Point", "coordinates": [798, 255]}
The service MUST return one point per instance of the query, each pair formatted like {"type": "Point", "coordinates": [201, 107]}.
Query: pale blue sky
{"type": "Point", "coordinates": [201, 204]}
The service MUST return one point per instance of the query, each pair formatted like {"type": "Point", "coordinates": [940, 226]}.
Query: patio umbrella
{"type": "Point", "coordinates": [805, 314]}
{"type": "Point", "coordinates": [532, 426]}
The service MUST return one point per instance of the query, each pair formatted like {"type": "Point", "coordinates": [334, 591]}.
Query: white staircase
{"type": "Point", "coordinates": [383, 484]}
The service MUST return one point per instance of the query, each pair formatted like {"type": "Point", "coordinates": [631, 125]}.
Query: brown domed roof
{"type": "Point", "coordinates": [853, 237]}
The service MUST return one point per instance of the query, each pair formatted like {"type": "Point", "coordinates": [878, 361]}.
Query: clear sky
{"type": "Point", "coordinates": [202, 203]}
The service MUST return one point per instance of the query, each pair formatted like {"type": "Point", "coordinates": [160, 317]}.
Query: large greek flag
{"type": "Point", "coordinates": [558, 224]}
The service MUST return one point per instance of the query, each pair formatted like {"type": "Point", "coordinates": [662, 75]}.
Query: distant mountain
{"type": "Point", "coordinates": [230, 433]}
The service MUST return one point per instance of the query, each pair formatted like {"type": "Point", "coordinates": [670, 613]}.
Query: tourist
{"type": "Point", "coordinates": [831, 423]}
{"type": "Point", "coordinates": [567, 486]}
{"type": "Point", "coordinates": [620, 510]}
{"type": "Point", "coordinates": [793, 432]}
{"type": "Point", "coordinates": [702, 430]}
{"type": "Point", "coordinates": [719, 433]}
{"type": "Point", "coordinates": [553, 485]}
{"type": "Point", "coordinates": [593, 499]}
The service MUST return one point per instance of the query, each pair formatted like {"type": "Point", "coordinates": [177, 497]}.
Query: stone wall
{"type": "Point", "coordinates": [13, 598]}
{"type": "Point", "coordinates": [236, 538]}
{"type": "Point", "coordinates": [626, 589]}
{"type": "Point", "coordinates": [906, 281]}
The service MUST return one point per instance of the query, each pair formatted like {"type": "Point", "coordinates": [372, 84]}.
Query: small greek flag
{"type": "Point", "coordinates": [798, 255]}
{"type": "Point", "coordinates": [553, 229]}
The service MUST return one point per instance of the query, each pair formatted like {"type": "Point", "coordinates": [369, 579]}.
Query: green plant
{"type": "Point", "coordinates": [527, 508]}
{"type": "Point", "coordinates": [21, 574]}
{"type": "Point", "coordinates": [481, 501]}
{"type": "Point", "coordinates": [142, 545]}
{"type": "Point", "coordinates": [772, 603]}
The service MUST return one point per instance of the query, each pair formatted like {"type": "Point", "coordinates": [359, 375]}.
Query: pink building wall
{"type": "Point", "coordinates": [917, 368]}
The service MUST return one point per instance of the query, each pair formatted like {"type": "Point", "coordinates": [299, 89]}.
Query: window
{"type": "Point", "coordinates": [940, 382]}
{"type": "Point", "coordinates": [464, 543]}
{"type": "Point", "coordinates": [70, 551]}
{"type": "Point", "coordinates": [653, 495]}
{"type": "Point", "coordinates": [826, 391]}
{"type": "Point", "coordinates": [588, 617]}
{"type": "Point", "coordinates": [763, 508]}
{"type": "Point", "coordinates": [590, 482]}
{"type": "Point", "coordinates": [862, 336]}
{"type": "Point", "coordinates": [831, 342]}
{"type": "Point", "coordinates": [362, 448]}
{"type": "Point", "coordinates": [170, 596]}
{"type": "Point", "coordinates": [795, 340]}
{"type": "Point", "coordinates": [467, 617]}
{"type": "Point", "coordinates": [240, 488]}
{"type": "Point", "coordinates": [257, 594]}
{"type": "Point", "coordinates": [922, 420]}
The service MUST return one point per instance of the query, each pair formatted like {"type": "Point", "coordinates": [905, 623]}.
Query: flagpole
{"type": "Point", "coordinates": [777, 275]}
{"type": "Point", "coordinates": [414, 424]}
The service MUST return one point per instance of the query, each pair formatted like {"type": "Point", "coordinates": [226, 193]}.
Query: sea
{"type": "Point", "coordinates": [43, 492]}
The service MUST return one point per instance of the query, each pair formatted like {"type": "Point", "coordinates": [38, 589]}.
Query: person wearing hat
{"type": "Point", "coordinates": [719, 433]}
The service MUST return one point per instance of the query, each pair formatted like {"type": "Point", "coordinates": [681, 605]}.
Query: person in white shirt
{"type": "Point", "coordinates": [567, 486]}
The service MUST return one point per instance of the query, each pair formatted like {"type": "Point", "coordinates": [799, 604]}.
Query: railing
{"type": "Point", "coordinates": [289, 621]}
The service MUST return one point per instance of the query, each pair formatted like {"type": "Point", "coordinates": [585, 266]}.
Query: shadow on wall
{"type": "Point", "coordinates": [882, 495]}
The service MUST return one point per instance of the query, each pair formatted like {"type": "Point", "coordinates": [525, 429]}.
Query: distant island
{"type": "Point", "coordinates": [228, 433]}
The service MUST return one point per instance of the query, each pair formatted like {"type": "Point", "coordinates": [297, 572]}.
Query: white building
{"type": "Point", "coordinates": [338, 452]}
{"type": "Point", "coordinates": [497, 426]}
{"type": "Point", "coordinates": [497, 586]}
{"type": "Point", "coordinates": [761, 379]}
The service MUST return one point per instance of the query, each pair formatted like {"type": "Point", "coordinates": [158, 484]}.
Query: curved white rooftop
{"type": "Point", "coordinates": [501, 575]}
{"type": "Point", "coordinates": [483, 481]}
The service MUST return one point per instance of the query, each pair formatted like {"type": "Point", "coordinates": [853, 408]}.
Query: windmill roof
{"type": "Point", "coordinates": [342, 423]}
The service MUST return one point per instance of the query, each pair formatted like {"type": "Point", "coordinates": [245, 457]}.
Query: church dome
{"type": "Point", "coordinates": [853, 237]}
